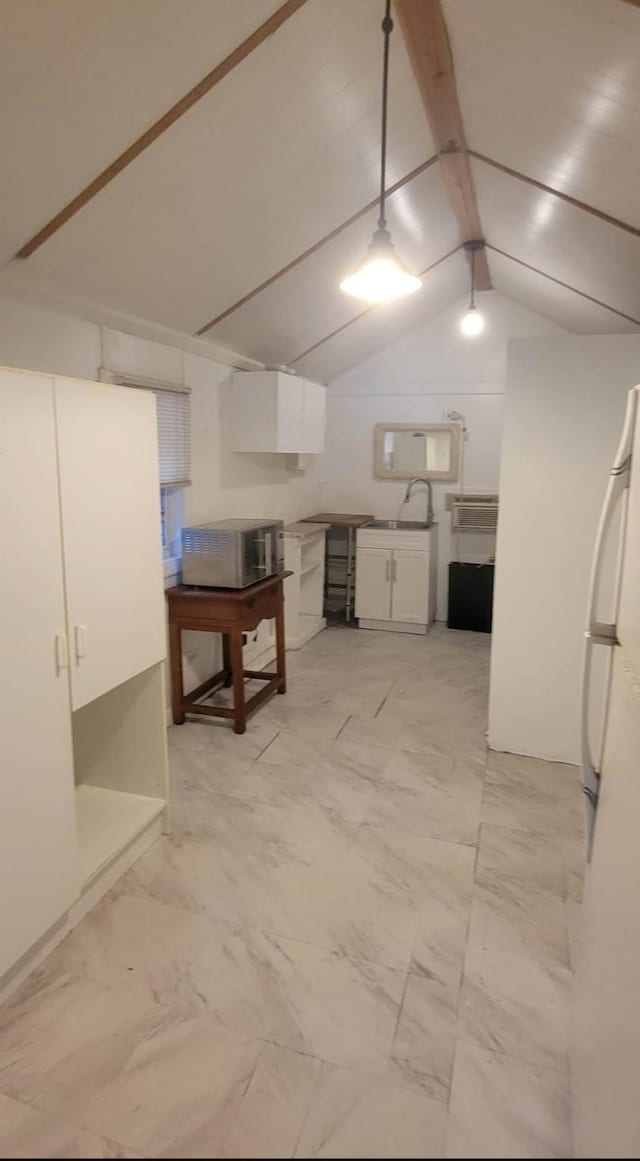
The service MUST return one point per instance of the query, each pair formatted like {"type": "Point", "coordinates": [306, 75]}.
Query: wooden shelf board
{"type": "Point", "coordinates": [107, 821]}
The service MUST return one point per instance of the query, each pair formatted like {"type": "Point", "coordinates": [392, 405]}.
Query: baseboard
{"type": "Point", "coordinates": [393, 626]}
{"type": "Point", "coordinates": [307, 632]}
{"type": "Point", "coordinates": [99, 886]}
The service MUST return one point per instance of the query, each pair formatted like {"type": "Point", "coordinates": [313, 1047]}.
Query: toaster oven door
{"type": "Point", "coordinates": [263, 554]}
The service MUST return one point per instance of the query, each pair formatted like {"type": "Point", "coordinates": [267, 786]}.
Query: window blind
{"type": "Point", "coordinates": [173, 410]}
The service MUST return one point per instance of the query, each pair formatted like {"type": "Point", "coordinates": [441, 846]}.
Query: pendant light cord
{"type": "Point", "coordinates": [387, 27]}
{"type": "Point", "coordinates": [472, 304]}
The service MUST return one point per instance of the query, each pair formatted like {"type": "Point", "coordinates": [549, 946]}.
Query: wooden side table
{"type": "Point", "coordinates": [230, 612]}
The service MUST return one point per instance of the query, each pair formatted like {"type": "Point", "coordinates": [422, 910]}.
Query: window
{"type": "Point", "coordinates": [173, 409]}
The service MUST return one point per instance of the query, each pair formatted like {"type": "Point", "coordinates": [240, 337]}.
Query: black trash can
{"type": "Point", "coordinates": [470, 596]}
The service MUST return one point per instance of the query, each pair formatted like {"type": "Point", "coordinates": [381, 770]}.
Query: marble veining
{"type": "Point", "coordinates": [357, 942]}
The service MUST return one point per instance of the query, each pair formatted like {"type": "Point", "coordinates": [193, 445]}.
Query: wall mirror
{"type": "Point", "coordinates": [403, 451]}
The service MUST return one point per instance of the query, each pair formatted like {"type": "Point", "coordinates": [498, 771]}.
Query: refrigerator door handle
{"type": "Point", "coordinates": [598, 632]}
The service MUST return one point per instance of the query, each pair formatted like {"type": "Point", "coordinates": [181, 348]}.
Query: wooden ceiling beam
{"type": "Point", "coordinates": [427, 41]}
{"type": "Point", "coordinates": [317, 245]}
{"type": "Point", "coordinates": [611, 221]}
{"type": "Point", "coordinates": [202, 89]}
{"type": "Point", "coordinates": [367, 310]}
{"type": "Point", "coordinates": [565, 285]}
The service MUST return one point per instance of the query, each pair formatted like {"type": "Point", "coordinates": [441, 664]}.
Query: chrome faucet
{"type": "Point", "coordinates": [407, 496]}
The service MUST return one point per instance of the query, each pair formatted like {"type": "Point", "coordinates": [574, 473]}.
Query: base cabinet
{"type": "Point", "coordinates": [82, 719]}
{"type": "Point", "coordinates": [395, 579]}
{"type": "Point", "coordinates": [373, 583]}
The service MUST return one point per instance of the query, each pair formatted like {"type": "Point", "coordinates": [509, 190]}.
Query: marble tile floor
{"type": "Point", "coordinates": [358, 941]}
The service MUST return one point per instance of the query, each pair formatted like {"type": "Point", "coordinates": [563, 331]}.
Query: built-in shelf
{"type": "Point", "coordinates": [304, 548]}
{"type": "Point", "coordinates": [310, 567]}
{"type": "Point", "coordinates": [108, 821]}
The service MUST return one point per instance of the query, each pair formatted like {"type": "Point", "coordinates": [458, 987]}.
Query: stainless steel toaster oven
{"type": "Point", "coordinates": [232, 554]}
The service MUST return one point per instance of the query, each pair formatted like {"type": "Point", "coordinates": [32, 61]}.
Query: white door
{"type": "Point", "coordinates": [606, 1025]}
{"type": "Point", "coordinates": [410, 591]}
{"type": "Point", "coordinates": [315, 406]}
{"type": "Point", "coordinates": [290, 420]}
{"type": "Point", "coordinates": [373, 584]}
{"type": "Point", "coordinates": [629, 604]}
{"type": "Point", "coordinates": [37, 816]}
{"type": "Point", "coordinates": [111, 522]}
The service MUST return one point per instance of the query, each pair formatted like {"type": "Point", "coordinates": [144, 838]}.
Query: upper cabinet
{"type": "Point", "coordinates": [37, 822]}
{"type": "Point", "coordinates": [109, 499]}
{"type": "Point", "coordinates": [270, 411]}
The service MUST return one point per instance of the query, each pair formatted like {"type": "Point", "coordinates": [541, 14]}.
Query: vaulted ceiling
{"type": "Point", "coordinates": [210, 165]}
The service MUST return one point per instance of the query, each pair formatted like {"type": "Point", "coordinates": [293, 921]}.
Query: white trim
{"type": "Point", "coordinates": [123, 379]}
{"type": "Point", "coordinates": [16, 284]}
{"type": "Point", "coordinates": [392, 626]}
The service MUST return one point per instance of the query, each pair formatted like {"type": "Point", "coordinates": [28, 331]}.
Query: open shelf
{"type": "Point", "coordinates": [107, 821]}
{"type": "Point", "coordinates": [310, 567]}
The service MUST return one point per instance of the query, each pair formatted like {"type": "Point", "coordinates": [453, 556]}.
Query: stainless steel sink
{"type": "Point", "coordinates": [397, 524]}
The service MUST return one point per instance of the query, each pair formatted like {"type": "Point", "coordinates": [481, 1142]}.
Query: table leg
{"type": "Point", "coordinates": [177, 686]}
{"type": "Point", "coordinates": [281, 669]}
{"type": "Point", "coordinates": [226, 659]}
{"type": "Point", "coordinates": [237, 676]}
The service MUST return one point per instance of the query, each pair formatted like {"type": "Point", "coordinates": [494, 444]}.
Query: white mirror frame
{"type": "Point", "coordinates": [383, 473]}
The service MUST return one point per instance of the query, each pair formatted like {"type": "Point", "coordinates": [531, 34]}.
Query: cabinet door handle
{"type": "Point", "coordinates": [388, 572]}
{"type": "Point", "coordinates": [394, 570]}
{"type": "Point", "coordinates": [62, 653]}
{"type": "Point", "coordinates": [80, 636]}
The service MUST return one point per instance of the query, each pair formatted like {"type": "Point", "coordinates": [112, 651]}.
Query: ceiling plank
{"type": "Point", "coordinates": [611, 221]}
{"type": "Point", "coordinates": [203, 87]}
{"type": "Point", "coordinates": [565, 285]}
{"type": "Point", "coordinates": [366, 310]}
{"type": "Point", "coordinates": [425, 33]}
{"type": "Point", "coordinates": [317, 245]}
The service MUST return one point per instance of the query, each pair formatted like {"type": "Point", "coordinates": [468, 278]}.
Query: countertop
{"type": "Point", "coordinates": [339, 519]}
{"type": "Point", "coordinates": [304, 529]}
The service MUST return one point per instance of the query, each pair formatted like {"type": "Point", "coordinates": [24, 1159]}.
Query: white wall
{"type": "Point", "coordinates": [224, 483]}
{"type": "Point", "coordinates": [564, 408]}
{"type": "Point", "coordinates": [430, 370]}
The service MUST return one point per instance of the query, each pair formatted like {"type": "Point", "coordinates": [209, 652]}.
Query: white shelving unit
{"type": "Point", "coordinates": [304, 555]}
{"type": "Point", "coordinates": [83, 745]}
{"type": "Point", "coordinates": [108, 821]}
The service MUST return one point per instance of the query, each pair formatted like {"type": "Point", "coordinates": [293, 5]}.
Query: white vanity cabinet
{"type": "Point", "coordinates": [83, 750]}
{"type": "Point", "coordinates": [396, 578]}
{"type": "Point", "coordinates": [270, 411]}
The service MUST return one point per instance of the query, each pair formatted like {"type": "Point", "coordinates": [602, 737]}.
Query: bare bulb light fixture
{"type": "Point", "coordinates": [472, 323]}
{"type": "Point", "coordinates": [382, 276]}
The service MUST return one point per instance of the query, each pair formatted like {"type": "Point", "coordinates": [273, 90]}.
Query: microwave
{"type": "Point", "coordinates": [231, 554]}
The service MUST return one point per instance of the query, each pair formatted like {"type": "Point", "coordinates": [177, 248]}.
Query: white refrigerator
{"type": "Point", "coordinates": [605, 1037]}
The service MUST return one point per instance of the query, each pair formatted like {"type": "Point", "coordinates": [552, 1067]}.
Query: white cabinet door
{"type": "Point", "coordinates": [111, 525]}
{"type": "Point", "coordinates": [373, 584]}
{"type": "Point", "coordinates": [38, 873]}
{"type": "Point", "coordinates": [410, 590]}
{"type": "Point", "coordinates": [315, 412]}
{"type": "Point", "coordinates": [290, 423]}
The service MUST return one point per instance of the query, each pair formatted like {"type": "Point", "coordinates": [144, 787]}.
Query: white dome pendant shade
{"type": "Point", "coordinates": [472, 323]}
{"type": "Point", "coordinates": [382, 276]}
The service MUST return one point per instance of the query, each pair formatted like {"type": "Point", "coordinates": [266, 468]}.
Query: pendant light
{"type": "Point", "coordinates": [382, 276]}
{"type": "Point", "coordinates": [472, 323]}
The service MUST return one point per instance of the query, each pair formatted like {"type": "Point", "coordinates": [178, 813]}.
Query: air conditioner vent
{"type": "Point", "coordinates": [474, 513]}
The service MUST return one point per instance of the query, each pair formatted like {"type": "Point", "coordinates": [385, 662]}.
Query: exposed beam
{"type": "Point", "coordinates": [611, 221]}
{"type": "Point", "coordinates": [425, 33]}
{"type": "Point", "coordinates": [267, 29]}
{"type": "Point", "coordinates": [565, 285]}
{"type": "Point", "coordinates": [317, 245]}
{"type": "Point", "coordinates": [367, 310]}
